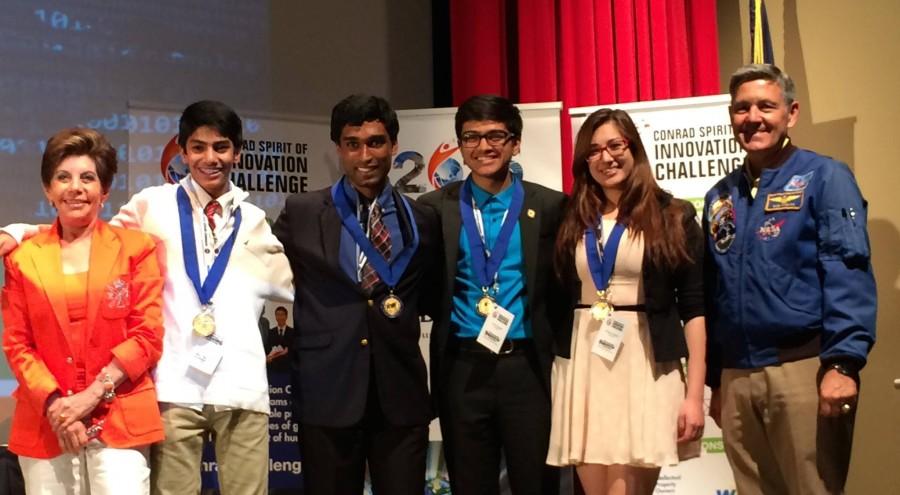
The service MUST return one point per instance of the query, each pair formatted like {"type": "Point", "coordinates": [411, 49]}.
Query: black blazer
{"type": "Point", "coordinates": [671, 296]}
{"type": "Point", "coordinates": [281, 364]}
{"type": "Point", "coordinates": [547, 304]}
{"type": "Point", "coordinates": [341, 335]}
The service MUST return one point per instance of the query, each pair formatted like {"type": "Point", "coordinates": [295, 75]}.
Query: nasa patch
{"type": "Point", "coordinates": [770, 229]}
{"type": "Point", "coordinates": [798, 182]}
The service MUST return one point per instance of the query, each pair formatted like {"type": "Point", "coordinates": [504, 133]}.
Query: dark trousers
{"type": "Point", "coordinates": [489, 405]}
{"type": "Point", "coordinates": [334, 459]}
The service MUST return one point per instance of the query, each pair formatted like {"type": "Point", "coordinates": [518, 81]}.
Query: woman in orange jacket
{"type": "Point", "coordinates": [83, 329]}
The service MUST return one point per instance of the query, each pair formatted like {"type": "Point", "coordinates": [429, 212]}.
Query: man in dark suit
{"type": "Point", "coordinates": [278, 343]}
{"type": "Point", "coordinates": [499, 234]}
{"type": "Point", "coordinates": [361, 254]}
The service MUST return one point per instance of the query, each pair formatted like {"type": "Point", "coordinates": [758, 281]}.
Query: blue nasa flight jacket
{"type": "Point", "coordinates": [789, 269]}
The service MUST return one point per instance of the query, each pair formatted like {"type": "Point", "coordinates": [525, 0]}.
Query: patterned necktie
{"type": "Point", "coordinates": [212, 208]}
{"type": "Point", "coordinates": [381, 239]}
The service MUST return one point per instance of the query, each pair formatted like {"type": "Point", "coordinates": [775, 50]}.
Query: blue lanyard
{"type": "Point", "coordinates": [390, 273]}
{"type": "Point", "coordinates": [206, 290]}
{"type": "Point", "coordinates": [487, 265]}
{"type": "Point", "coordinates": [602, 260]}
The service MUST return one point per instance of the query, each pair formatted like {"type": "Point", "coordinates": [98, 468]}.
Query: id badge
{"type": "Point", "coordinates": [495, 328]}
{"type": "Point", "coordinates": [207, 354]}
{"type": "Point", "coordinates": [609, 338]}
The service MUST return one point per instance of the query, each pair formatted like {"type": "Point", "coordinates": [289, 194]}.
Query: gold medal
{"type": "Point", "coordinates": [485, 305]}
{"type": "Point", "coordinates": [602, 308]}
{"type": "Point", "coordinates": [391, 306]}
{"type": "Point", "coordinates": [204, 324]}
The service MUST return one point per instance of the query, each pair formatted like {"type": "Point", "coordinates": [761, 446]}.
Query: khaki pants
{"type": "Point", "coordinates": [775, 440]}
{"type": "Point", "coordinates": [242, 451]}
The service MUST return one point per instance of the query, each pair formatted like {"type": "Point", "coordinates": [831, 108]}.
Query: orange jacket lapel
{"type": "Point", "coordinates": [105, 247]}
{"type": "Point", "coordinates": [48, 265]}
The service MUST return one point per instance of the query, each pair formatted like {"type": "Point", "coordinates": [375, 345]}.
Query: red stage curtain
{"type": "Point", "coordinates": [478, 47]}
{"type": "Point", "coordinates": [584, 52]}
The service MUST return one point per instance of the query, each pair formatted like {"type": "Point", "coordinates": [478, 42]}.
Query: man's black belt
{"type": "Point", "coordinates": [509, 347]}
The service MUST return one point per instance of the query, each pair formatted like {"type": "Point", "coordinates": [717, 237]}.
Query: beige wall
{"type": "Point", "coordinates": [844, 58]}
{"type": "Point", "coordinates": [324, 51]}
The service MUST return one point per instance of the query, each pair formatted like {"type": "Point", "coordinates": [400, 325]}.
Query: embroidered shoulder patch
{"type": "Point", "coordinates": [798, 182]}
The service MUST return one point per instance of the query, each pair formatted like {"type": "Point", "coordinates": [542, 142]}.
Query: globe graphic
{"type": "Point", "coordinates": [515, 168]}
{"type": "Point", "coordinates": [176, 170]}
{"type": "Point", "coordinates": [447, 172]}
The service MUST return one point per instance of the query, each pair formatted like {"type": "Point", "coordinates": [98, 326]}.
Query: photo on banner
{"type": "Point", "coordinates": [690, 147]}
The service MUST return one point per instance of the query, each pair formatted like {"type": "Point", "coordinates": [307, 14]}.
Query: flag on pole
{"type": "Point", "coordinates": [760, 38]}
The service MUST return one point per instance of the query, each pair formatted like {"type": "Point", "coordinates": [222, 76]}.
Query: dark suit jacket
{"type": "Point", "coordinates": [670, 295]}
{"type": "Point", "coordinates": [547, 304]}
{"type": "Point", "coordinates": [282, 364]}
{"type": "Point", "coordinates": [340, 334]}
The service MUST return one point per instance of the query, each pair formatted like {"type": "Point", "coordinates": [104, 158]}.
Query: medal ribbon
{"type": "Point", "coordinates": [189, 250]}
{"type": "Point", "coordinates": [602, 260]}
{"type": "Point", "coordinates": [390, 273]}
{"type": "Point", "coordinates": [484, 265]}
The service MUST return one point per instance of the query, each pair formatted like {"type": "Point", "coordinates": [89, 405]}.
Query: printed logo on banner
{"type": "Point", "coordinates": [402, 184]}
{"type": "Point", "coordinates": [515, 168]}
{"type": "Point", "coordinates": [442, 168]}
{"type": "Point", "coordinates": [171, 166]}
{"type": "Point", "coordinates": [713, 445]}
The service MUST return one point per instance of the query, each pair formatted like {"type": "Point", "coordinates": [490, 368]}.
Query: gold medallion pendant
{"type": "Point", "coordinates": [391, 306]}
{"type": "Point", "coordinates": [485, 305]}
{"type": "Point", "coordinates": [204, 324]}
{"type": "Point", "coordinates": [602, 308]}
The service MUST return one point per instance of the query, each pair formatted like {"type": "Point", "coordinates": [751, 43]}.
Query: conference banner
{"type": "Point", "coordinates": [690, 147]}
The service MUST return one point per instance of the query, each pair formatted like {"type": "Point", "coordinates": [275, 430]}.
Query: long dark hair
{"type": "Point", "coordinates": [643, 207]}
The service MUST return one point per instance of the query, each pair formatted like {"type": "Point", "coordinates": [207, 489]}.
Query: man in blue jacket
{"type": "Point", "coordinates": [791, 299]}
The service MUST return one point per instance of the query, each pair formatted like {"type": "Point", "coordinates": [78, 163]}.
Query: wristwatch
{"type": "Point", "coordinates": [845, 369]}
{"type": "Point", "coordinates": [109, 387]}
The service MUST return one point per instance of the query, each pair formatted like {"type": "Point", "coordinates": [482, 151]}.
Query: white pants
{"type": "Point", "coordinates": [95, 470]}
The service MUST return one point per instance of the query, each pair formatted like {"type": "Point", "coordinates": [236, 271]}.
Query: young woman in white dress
{"type": "Point", "coordinates": [624, 404]}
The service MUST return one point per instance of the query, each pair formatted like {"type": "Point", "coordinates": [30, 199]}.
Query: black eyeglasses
{"type": "Point", "coordinates": [497, 137]}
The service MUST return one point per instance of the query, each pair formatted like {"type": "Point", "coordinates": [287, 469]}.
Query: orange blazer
{"type": "Point", "coordinates": [124, 320]}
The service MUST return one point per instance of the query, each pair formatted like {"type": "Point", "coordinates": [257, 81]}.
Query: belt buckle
{"type": "Point", "coordinates": [507, 350]}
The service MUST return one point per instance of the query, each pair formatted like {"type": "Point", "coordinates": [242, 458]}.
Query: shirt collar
{"type": "Point", "coordinates": [385, 198]}
{"type": "Point", "coordinates": [787, 149]}
{"type": "Point", "coordinates": [226, 200]}
{"type": "Point", "coordinates": [482, 197]}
